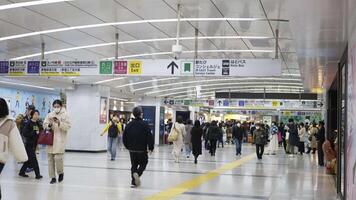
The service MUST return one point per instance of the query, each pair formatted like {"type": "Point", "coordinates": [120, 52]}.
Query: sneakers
{"type": "Point", "coordinates": [53, 181]}
{"type": "Point", "coordinates": [137, 179]}
{"type": "Point", "coordinates": [23, 175]}
{"type": "Point", "coordinates": [60, 177]}
{"type": "Point", "coordinates": [39, 177]}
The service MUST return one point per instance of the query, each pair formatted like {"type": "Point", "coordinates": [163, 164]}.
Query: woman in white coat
{"type": "Point", "coordinates": [273, 144]}
{"type": "Point", "coordinates": [178, 144]}
{"type": "Point", "coordinates": [58, 121]}
{"type": "Point", "coordinates": [10, 138]}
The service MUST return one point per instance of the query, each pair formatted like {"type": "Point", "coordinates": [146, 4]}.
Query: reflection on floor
{"type": "Point", "coordinates": [94, 177]}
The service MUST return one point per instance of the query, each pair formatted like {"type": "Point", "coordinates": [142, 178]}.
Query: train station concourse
{"type": "Point", "coordinates": [177, 99]}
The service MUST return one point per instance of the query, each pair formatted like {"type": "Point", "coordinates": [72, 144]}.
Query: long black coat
{"type": "Point", "coordinates": [293, 135]}
{"type": "Point", "coordinates": [197, 134]}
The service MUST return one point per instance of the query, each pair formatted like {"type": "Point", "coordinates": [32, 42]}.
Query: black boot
{"type": "Point", "coordinates": [53, 181]}
{"type": "Point", "coordinates": [60, 177]}
{"type": "Point", "coordinates": [195, 160]}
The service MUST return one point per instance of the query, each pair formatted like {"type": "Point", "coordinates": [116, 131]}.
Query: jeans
{"type": "Point", "coordinates": [259, 150]}
{"type": "Point", "coordinates": [31, 162]}
{"type": "Point", "coordinates": [188, 149]}
{"type": "Point", "coordinates": [112, 146]}
{"type": "Point", "coordinates": [139, 162]}
{"type": "Point", "coordinates": [212, 147]}
{"type": "Point", "coordinates": [238, 146]}
{"type": "Point", "coordinates": [320, 154]}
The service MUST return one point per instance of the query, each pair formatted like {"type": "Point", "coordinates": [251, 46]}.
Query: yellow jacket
{"type": "Point", "coordinates": [118, 125]}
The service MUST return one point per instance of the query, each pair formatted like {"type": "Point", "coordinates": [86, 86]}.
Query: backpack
{"type": "Point", "coordinates": [113, 130]}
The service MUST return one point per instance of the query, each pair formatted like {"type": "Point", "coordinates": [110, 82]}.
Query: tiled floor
{"type": "Point", "coordinates": [93, 177]}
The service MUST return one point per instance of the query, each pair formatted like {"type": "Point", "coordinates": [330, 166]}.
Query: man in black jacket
{"type": "Point", "coordinates": [138, 138]}
{"type": "Point", "coordinates": [321, 139]}
{"type": "Point", "coordinates": [237, 135]}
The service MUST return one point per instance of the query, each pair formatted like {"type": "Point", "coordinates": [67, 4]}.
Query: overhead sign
{"type": "Point", "coordinates": [145, 67]}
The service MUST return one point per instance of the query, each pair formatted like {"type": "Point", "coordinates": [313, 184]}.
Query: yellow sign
{"type": "Point", "coordinates": [275, 103]}
{"type": "Point", "coordinates": [135, 67]}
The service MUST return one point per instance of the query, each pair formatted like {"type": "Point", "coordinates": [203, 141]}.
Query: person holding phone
{"type": "Point", "coordinates": [58, 122]}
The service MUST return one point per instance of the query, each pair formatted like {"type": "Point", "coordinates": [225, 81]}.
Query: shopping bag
{"type": "Point", "coordinates": [45, 137]}
{"type": "Point", "coordinates": [173, 135]}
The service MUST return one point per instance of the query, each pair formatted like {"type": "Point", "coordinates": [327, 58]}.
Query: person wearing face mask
{"type": "Point", "coordinates": [58, 122]}
{"type": "Point", "coordinates": [273, 144]}
{"type": "Point", "coordinates": [114, 129]}
{"type": "Point", "coordinates": [259, 138]}
{"type": "Point", "coordinates": [237, 135]}
{"type": "Point", "coordinates": [30, 132]}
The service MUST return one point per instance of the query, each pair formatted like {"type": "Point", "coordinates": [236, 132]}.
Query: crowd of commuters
{"type": "Point", "coordinates": [21, 137]}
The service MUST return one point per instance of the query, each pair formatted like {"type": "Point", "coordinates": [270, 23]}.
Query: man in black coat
{"type": "Point", "coordinates": [237, 135]}
{"type": "Point", "coordinates": [138, 138]}
{"type": "Point", "coordinates": [320, 136]}
{"type": "Point", "coordinates": [293, 135]}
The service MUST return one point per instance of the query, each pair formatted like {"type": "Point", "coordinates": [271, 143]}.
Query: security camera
{"type": "Point", "coordinates": [177, 51]}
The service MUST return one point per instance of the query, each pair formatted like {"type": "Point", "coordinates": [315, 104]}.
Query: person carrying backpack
{"type": "Point", "coordinates": [113, 128]}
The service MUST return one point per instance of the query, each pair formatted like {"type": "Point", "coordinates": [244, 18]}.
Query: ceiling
{"type": "Point", "coordinates": [309, 43]}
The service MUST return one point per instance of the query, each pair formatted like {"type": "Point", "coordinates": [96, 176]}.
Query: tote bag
{"type": "Point", "coordinates": [173, 136]}
{"type": "Point", "coordinates": [45, 137]}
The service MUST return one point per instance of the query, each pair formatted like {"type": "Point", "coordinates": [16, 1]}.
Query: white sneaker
{"type": "Point", "coordinates": [137, 179]}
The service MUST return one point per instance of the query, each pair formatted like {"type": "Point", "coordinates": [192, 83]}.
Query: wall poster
{"type": "Point", "coordinates": [103, 110]}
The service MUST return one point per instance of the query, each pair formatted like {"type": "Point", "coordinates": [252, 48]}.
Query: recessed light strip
{"type": "Point", "coordinates": [216, 80]}
{"type": "Point", "coordinates": [139, 41]}
{"type": "Point", "coordinates": [26, 85]}
{"type": "Point", "coordinates": [148, 81]}
{"type": "Point", "coordinates": [109, 80]}
{"type": "Point", "coordinates": [131, 22]}
{"type": "Point", "coordinates": [29, 3]}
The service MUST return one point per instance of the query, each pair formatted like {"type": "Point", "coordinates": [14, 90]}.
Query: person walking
{"type": "Point", "coordinates": [10, 138]}
{"type": "Point", "coordinates": [188, 138]}
{"type": "Point", "coordinates": [221, 135]}
{"type": "Point", "coordinates": [273, 144]}
{"type": "Point", "coordinates": [293, 139]}
{"type": "Point", "coordinates": [260, 140]}
{"type": "Point", "coordinates": [58, 122]}
{"type": "Point", "coordinates": [196, 133]}
{"type": "Point", "coordinates": [313, 142]}
{"type": "Point", "coordinates": [330, 154]}
{"type": "Point", "coordinates": [138, 139]}
{"type": "Point", "coordinates": [205, 136]}
{"type": "Point", "coordinates": [30, 132]}
{"type": "Point", "coordinates": [114, 129]}
{"type": "Point", "coordinates": [229, 133]}
{"type": "Point", "coordinates": [301, 134]}
{"type": "Point", "coordinates": [237, 135]}
{"type": "Point", "coordinates": [213, 137]}
{"type": "Point", "coordinates": [178, 143]}
{"type": "Point", "coordinates": [320, 136]}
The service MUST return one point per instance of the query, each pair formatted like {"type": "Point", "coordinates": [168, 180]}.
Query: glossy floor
{"type": "Point", "coordinates": [94, 177]}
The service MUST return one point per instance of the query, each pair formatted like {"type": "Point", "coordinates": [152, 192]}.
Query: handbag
{"type": "Point", "coordinates": [45, 137]}
{"type": "Point", "coordinates": [173, 136]}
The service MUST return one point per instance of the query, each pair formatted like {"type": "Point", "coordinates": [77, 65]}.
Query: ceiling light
{"type": "Point", "coordinates": [119, 99]}
{"type": "Point", "coordinates": [26, 85]}
{"type": "Point", "coordinates": [231, 84]}
{"type": "Point", "coordinates": [130, 22]}
{"type": "Point", "coordinates": [141, 41]}
{"type": "Point", "coordinates": [109, 80]}
{"type": "Point", "coordinates": [29, 3]}
{"type": "Point", "coordinates": [148, 81]}
{"type": "Point", "coordinates": [217, 80]}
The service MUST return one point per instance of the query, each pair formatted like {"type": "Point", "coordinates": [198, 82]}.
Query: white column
{"type": "Point", "coordinates": [83, 105]}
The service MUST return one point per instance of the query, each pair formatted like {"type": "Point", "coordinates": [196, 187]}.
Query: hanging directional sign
{"type": "Point", "coordinates": [145, 67]}
{"type": "Point", "coordinates": [172, 66]}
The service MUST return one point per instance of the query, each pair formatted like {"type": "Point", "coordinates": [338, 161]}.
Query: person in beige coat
{"type": "Point", "coordinates": [178, 144]}
{"type": "Point", "coordinates": [58, 121]}
{"type": "Point", "coordinates": [313, 143]}
{"type": "Point", "coordinates": [10, 138]}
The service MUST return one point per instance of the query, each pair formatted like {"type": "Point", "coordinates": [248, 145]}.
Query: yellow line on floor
{"type": "Point", "coordinates": [198, 180]}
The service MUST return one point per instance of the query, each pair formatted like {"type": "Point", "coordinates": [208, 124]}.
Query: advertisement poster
{"type": "Point", "coordinates": [103, 110]}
